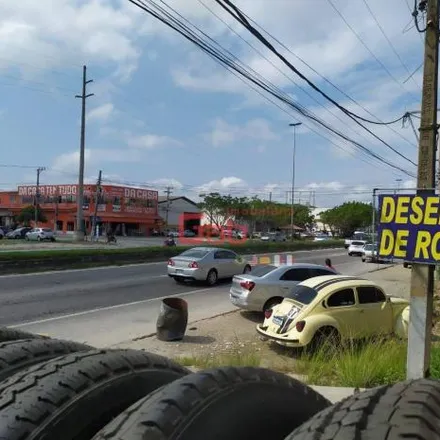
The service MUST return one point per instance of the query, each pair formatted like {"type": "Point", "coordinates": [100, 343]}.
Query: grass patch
{"type": "Point", "coordinates": [366, 365]}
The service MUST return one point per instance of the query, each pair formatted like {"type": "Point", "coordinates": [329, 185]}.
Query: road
{"type": "Point", "coordinates": [105, 306]}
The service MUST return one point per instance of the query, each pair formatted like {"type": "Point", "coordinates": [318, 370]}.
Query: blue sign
{"type": "Point", "coordinates": [409, 227]}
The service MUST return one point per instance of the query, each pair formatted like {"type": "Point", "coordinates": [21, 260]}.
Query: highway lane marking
{"type": "Point", "coordinates": [54, 272]}
{"type": "Point", "coordinates": [102, 309]}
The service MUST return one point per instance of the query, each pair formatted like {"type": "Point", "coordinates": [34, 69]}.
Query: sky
{"type": "Point", "coordinates": [163, 113]}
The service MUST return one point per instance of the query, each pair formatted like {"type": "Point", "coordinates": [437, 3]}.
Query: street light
{"type": "Point", "coordinates": [398, 184]}
{"type": "Point", "coordinates": [294, 125]}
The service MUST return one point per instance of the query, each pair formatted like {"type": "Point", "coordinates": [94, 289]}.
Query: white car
{"type": "Point", "coordinates": [370, 255]}
{"type": "Point", "coordinates": [356, 248]}
{"type": "Point", "coordinates": [40, 234]}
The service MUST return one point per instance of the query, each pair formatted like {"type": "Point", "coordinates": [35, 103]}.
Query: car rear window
{"type": "Point", "coordinates": [194, 253]}
{"type": "Point", "coordinates": [302, 294]}
{"type": "Point", "coordinates": [260, 271]}
{"type": "Point", "coordinates": [357, 243]}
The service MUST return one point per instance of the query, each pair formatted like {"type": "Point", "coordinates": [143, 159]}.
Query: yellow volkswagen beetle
{"type": "Point", "coordinates": [334, 306]}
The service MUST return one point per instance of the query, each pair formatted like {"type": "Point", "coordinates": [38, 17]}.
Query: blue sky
{"type": "Point", "coordinates": [164, 113]}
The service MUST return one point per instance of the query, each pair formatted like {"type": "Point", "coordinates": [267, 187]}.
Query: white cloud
{"type": "Point", "coordinates": [101, 113]}
{"type": "Point", "coordinates": [40, 36]}
{"type": "Point", "coordinates": [224, 133]}
{"type": "Point", "coordinates": [332, 186]}
{"type": "Point", "coordinates": [151, 141]}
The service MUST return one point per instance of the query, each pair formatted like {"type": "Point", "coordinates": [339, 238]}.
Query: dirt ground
{"type": "Point", "coordinates": [232, 336]}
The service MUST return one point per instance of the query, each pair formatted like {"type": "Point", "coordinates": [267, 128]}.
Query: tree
{"type": "Point", "coordinates": [346, 218]}
{"type": "Point", "coordinates": [216, 207]}
{"type": "Point", "coordinates": [27, 214]}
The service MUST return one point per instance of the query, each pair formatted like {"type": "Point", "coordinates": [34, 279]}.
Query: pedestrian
{"type": "Point", "coordinates": [328, 263]}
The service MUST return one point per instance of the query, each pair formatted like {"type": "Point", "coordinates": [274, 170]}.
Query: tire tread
{"type": "Point", "coordinates": [404, 410]}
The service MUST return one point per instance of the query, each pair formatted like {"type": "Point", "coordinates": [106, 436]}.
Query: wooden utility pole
{"type": "Point", "coordinates": [80, 195]}
{"type": "Point", "coordinates": [37, 195]}
{"type": "Point", "coordinates": [422, 277]}
{"type": "Point", "coordinates": [97, 200]}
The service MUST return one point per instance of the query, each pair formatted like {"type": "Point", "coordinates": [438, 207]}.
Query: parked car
{"type": "Point", "coordinates": [274, 236]}
{"type": "Point", "coordinates": [267, 285]}
{"type": "Point", "coordinates": [18, 233]}
{"type": "Point", "coordinates": [2, 233]}
{"type": "Point", "coordinates": [335, 306]}
{"type": "Point", "coordinates": [206, 264]}
{"type": "Point", "coordinates": [322, 237]}
{"type": "Point", "coordinates": [40, 234]}
{"type": "Point", "coordinates": [189, 233]}
{"type": "Point", "coordinates": [356, 248]}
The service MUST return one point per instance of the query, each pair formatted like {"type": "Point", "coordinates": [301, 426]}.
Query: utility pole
{"type": "Point", "coordinates": [270, 197]}
{"type": "Point", "coordinates": [80, 194]}
{"type": "Point", "coordinates": [168, 192]}
{"type": "Point", "coordinates": [422, 276]}
{"type": "Point", "coordinates": [37, 194]}
{"type": "Point", "coordinates": [292, 205]}
{"type": "Point", "coordinates": [97, 199]}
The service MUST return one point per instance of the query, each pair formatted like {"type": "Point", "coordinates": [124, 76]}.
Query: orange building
{"type": "Point", "coordinates": [127, 211]}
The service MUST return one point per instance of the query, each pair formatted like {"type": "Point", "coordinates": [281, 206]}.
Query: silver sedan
{"type": "Point", "coordinates": [267, 285]}
{"type": "Point", "coordinates": [206, 264]}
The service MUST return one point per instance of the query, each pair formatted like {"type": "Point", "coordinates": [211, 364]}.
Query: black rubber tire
{"type": "Point", "coordinates": [74, 396]}
{"type": "Point", "coordinates": [406, 410]}
{"type": "Point", "coordinates": [11, 334]}
{"type": "Point", "coordinates": [210, 281]}
{"type": "Point", "coordinates": [223, 403]}
{"type": "Point", "coordinates": [179, 280]}
{"type": "Point", "coordinates": [18, 355]}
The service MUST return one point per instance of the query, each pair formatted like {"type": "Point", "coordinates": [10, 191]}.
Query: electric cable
{"type": "Point", "coordinates": [241, 19]}
{"type": "Point", "coordinates": [171, 22]}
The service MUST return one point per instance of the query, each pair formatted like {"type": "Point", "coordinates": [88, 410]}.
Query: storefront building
{"type": "Point", "coordinates": [125, 210]}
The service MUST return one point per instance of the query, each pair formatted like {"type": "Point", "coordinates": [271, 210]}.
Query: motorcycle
{"type": "Point", "coordinates": [170, 242]}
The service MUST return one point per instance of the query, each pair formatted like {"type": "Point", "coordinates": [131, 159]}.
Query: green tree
{"type": "Point", "coordinates": [346, 218]}
{"type": "Point", "coordinates": [216, 207]}
{"type": "Point", "coordinates": [27, 214]}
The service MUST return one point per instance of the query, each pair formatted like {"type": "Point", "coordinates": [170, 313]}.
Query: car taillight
{"type": "Point", "coordinates": [268, 313]}
{"type": "Point", "coordinates": [300, 326]}
{"type": "Point", "coordinates": [193, 265]}
{"type": "Point", "coordinates": [248, 285]}
{"type": "Point", "coordinates": [171, 263]}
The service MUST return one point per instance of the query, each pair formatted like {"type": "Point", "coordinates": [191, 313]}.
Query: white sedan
{"type": "Point", "coordinates": [356, 248]}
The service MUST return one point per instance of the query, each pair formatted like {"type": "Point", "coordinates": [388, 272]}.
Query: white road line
{"type": "Point", "coordinates": [101, 309]}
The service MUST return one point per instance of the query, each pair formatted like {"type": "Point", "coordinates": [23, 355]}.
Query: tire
{"type": "Point", "coordinates": [363, 260]}
{"type": "Point", "coordinates": [212, 277]}
{"type": "Point", "coordinates": [350, 254]}
{"type": "Point", "coordinates": [179, 280]}
{"type": "Point", "coordinates": [21, 354]}
{"type": "Point", "coordinates": [72, 397]}
{"type": "Point", "coordinates": [272, 302]}
{"type": "Point", "coordinates": [247, 269]}
{"type": "Point", "coordinates": [405, 264]}
{"type": "Point", "coordinates": [324, 335]}
{"type": "Point", "coordinates": [10, 334]}
{"type": "Point", "coordinates": [223, 403]}
{"type": "Point", "coordinates": [403, 410]}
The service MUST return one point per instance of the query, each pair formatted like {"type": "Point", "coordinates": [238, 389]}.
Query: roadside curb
{"type": "Point", "coordinates": [191, 323]}
{"type": "Point", "coordinates": [382, 268]}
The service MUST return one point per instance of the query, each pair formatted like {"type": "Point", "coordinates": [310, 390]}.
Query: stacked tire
{"type": "Point", "coordinates": [62, 390]}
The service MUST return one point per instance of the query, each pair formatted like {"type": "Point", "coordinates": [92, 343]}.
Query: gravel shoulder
{"type": "Point", "coordinates": [232, 338]}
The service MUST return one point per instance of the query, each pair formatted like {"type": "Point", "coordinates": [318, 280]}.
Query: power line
{"type": "Point", "coordinates": [365, 45]}
{"type": "Point", "coordinates": [188, 34]}
{"type": "Point", "coordinates": [390, 43]}
{"type": "Point", "coordinates": [237, 14]}
{"type": "Point", "coordinates": [328, 81]}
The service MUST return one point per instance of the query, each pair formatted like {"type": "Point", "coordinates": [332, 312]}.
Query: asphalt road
{"type": "Point", "coordinates": [104, 306]}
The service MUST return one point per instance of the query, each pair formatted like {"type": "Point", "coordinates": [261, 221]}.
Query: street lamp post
{"type": "Point", "coordinates": [398, 184]}
{"type": "Point", "coordinates": [294, 125]}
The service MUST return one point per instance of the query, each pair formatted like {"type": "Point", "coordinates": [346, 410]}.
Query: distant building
{"type": "Point", "coordinates": [319, 225]}
{"type": "Point", "coordinates": [183, 213]}
{"type": "Point", "coordinates": [125, 210]}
